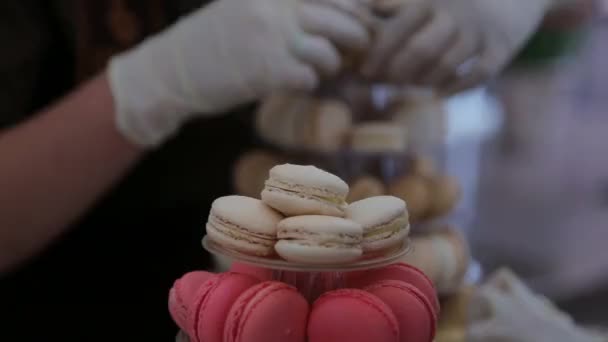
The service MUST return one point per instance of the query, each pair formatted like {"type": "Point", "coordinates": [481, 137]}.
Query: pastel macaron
{"type": "Point", "coordinates": [243, 224]}
{"type": "Point", "coordinates": [354, 316]}
{"type": "Point", "coordinates": [401, 272]}
{"type": "Point", "coordinates": [379, 136]}
{"type": "Point", "coordinates": [182, 295]}
{"type": "Point", "coordinates": [412, 310]}
{"type": "Point", "coordinates": [305, 190]}
{"type": "Point", "coordinates": [211, 305]}
{"type": "Point", "coordinates": [315, 239]}
{"type": "Point", "coordinates": [269, 312]}
{"type": "Point", "coordinates": [384, 220]}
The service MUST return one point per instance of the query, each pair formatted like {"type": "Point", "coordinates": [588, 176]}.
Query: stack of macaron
{"type": "Point", "coordinates": [429, 194]}
{"type": "Point", "coordinates": [303, 217]}
{"type": "Point", "coordinates": [393, 304]}
{"type": "Point", "coordinates": [304, 122]}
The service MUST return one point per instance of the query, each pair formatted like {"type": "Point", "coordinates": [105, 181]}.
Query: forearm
{"type": "Point", "coordinates": [54, 167]}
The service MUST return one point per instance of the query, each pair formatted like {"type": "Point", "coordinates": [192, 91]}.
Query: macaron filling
{"type": "Point", "coordinates": [384, 231]}
{"type": "Point", "coordinates": [323, 195]}
{"type": "Point", "coordinates": [301, 235]}
{"type": "Point", "coordinates": [237, 232]}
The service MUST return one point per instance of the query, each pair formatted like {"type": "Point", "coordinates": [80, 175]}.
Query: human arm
{"type": "Point", "coordinates": [54, 166]}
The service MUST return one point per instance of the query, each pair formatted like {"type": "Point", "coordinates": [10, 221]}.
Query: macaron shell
{"type": "Point", "coordinates": [309, 176]}
{"type": "Point", "coordinates": [401, 272]}
{"type": "Point", "coordinates": [461, 249]}
{"type": "Point", "coordinates": [294, 204]}
{"type": "Point", "coordinates": [387, 244]}
{"type": "Point", "coordinates": [250, 247]}
{"type": "Point", "coordinates": [414, 190]}
{"type": "Point", "coordinates": [269, 312]}
{"type": "Point", "coordinates": [365, 187]}
{"type": "Point", "coordinates": [352, 315]}
{"type": "Point", "coordinates": [251, 170]}
{"type": "Point", "coordinates": [295, 251]}
{"type": "Point", "coordinates": [446, 194]}
{"type": "Point", "coordinates": [246, 212]}
{"type": "Point", "coordinates": [424, 257]}
{"type": "Point", "coordinates": [378, 137]}
{"type": "Point", "coordinates": [332, 121]}
{"type": "Point", "coordinates": [213, 302]}
{"type": "Point", "coordinates": [375, 211]}
{"type": "Point", "coordinates": [182, 294]}
{"type": "Point", "coordinates": [411, 308]}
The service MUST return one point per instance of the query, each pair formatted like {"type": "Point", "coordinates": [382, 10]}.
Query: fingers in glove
{"type": "Point", "coordinates": [465, 47]}
{"type": "Point", "coordinates": [299, 76]}
{"type": "Point", "coordinates": [341, 28]}
{"type": "Point", "coordinates": [392, 35]}
{"type": "Point", "coordinates": [424, 49]}
{"type": "Point", "coordinates": [478, 70]}
{"type": "Point", "coordinates": [319, 53]}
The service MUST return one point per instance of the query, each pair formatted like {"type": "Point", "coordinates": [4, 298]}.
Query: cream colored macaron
{"type": "Point", "coordinates": [326, 126]}
{"type": "Point", "coordinates": [315, 239]}
{"type": "Point", "coordinates": [377, 137]}
{"type": "Point", "coordinates": [251, 170]}
{"type": "Point", "coordinates": [384, 220]}
{"type": "Point", "coordinates": [305, 190]}
{"type": "Point", "coordinates": [414, 190]}
{"type": "Point", "coordinates": [445, 194]}
{"type": "Point", "coordinates": [243, 224]}
{"type": "Point", "coordinates": [364, 187]}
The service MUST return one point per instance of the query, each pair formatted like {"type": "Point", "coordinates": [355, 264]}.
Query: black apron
{"type": "Point", "coordinates": [108, 278]}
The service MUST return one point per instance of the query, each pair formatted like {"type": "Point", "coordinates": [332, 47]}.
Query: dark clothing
{"type": "Point", "coordinates": [108, 278]}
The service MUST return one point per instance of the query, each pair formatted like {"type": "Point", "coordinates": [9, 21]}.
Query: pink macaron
{"type": "Point", "coordinates": [212, 303]}
{"type": "Point", "coordinates": [412, 309]}
{"type": "Point", "coordinates": [398, 271]}
{"type": "Point", "coordinates": [263, 274]}
{"type": "Point", "coordinates": [354, 316]}
{"type": "Point", "coordinates": [269, 312]}
{"type": "Point", "coordinates": [182, 295]}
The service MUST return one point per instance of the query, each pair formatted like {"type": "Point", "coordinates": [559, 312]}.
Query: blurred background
{"type": "Point", "coordinates": [541, 203]}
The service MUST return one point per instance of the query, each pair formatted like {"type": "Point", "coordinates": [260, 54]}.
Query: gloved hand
{"type": "Point", "coordinates": [511, 312]}
{"type": "Point", "coordinates": [452, 45]}
{"type": "Point", "coordinates": [229, 53]}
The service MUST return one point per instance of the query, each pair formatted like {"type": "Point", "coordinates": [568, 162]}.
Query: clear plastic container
{"type": "Point", "coordinates": [311, 280]}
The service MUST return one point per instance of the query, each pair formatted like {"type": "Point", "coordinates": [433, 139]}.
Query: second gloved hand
{"type": "Point", "coordinates": [510, 312]}
{"type": "Point", "coordinates": [451, 45]}
{"type": "Point", "coordinates": [229, 53]}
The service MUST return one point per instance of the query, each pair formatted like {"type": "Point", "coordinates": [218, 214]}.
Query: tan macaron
{"type": "Point", "coordinates": [378, 136]}
{"type": "Point", "coordinates": [462, 253]}
{"type": "Point", "coordinates": [327, 125]}
{"type": "Point", "coordinates": [445, 194]}
{"type": "Point", "coordinates": [415, 192]}
{"type": "Point", "coordinates": [364, 187]}
{"type": "Point", "coordinates": [251, 170]}
{"type": "Point", "coordinates": [423, 166]}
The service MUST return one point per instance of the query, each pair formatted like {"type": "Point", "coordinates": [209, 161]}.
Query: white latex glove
{"type": "Point", "coordinates": [229, 53]}
{"type": "Point", "coordinates": [515, 314]}
{"type": "Point", "coordinates": [452, 45]}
